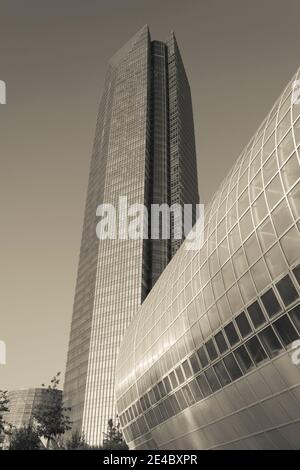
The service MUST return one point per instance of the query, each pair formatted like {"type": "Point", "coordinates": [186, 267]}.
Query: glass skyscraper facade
{"type": "Point", "coordinates": [209, 361]}
{"type": "Point", "coordinates": [22, 404]}
{"type": "Point", "coordinates": [144, 149]}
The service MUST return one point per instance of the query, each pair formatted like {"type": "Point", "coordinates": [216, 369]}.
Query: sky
{"type": "Point", "coordinates": [238, 54]}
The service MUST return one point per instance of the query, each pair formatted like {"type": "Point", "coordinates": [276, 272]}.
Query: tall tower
{"type": "Point", "coordinates": [144, 149]}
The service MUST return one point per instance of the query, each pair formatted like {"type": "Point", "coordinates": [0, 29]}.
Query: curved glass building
{"type": "Point", "coordinates": [210, 360]}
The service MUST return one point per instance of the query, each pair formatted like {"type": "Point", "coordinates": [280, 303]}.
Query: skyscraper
{"type": "Point", "coordinates": [144, 149]}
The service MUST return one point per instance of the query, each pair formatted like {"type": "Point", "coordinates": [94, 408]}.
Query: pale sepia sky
{"type": "Point", "coordinates": [238, 54]}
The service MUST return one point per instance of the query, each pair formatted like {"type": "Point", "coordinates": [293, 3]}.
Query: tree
{"type": "Point", "coordinates": [4, 402]}
{"type": "Point", "coordinates": [51, 415]}
{"type": "Point", "coordinates": [77, 442]}
{"type": "Point", "coordinates": [113, 438]}
{"type": "Point", "coordinates": [25, 438]}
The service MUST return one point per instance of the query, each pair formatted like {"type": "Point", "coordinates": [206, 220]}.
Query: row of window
{"type": "Point", "coordinates": [265, 344]}
{"type": "Point", "coordinates": [268, 343]}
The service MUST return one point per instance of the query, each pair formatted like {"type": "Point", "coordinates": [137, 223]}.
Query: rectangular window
{"type": "Point", "coordinates": [256, 314]}
{"type": "Point", "coordinates": [232, 367]}
{"type": "Point", "coordinates": [287, 290]}
{"type": "Point", "coordinates": [243, 324]}
{"type": "Point", "coordinates": [181, 400]}
{"type": "Point", "coordinates": [211, 350]}
{"type": "Point", "coordinates": [231, 334]}
{"type": "Point", "coordinates": [161, 389]}
{"type": "Point", "coordinates": [180, 375]}
{"type": "Point", "coordinates": [285, 330]}
{"type": "Point", "coordinates": [204, 387]}
{"type": "Point", "coordinates": [195, 390]}
{"type": "Point", "coordinates": [222, 374]}
{"type": "Point", "coordinates": [195, 363]}
{"type": "Point", "coordinates": [173, 379]}
{"type": "Point", "coordinates": [270, 303]}
{"type": "Point", "coordinates": [221, 342]}
{"type": "Point", "coordinates": [202, 356]}
{"type": "Point", "coordinates": [295, 316]}
{"type": "Point", "coordinates": [270, 341]}
{"type": "Point", "coordinates": [212, 379]}
{"type": "Point", "coordinates": [174, 403]}
{"type": "Point", "coordinates": [256, 350]}
{"type": "Point", "coordinates": [188, 395]}
{"type": "Point", "coordinates": [296, 272]}
{"type": "Point", "coordinates": [168, 387]}
{"type": "Point", "coordinates": [243, 359]}
{"type": "Point", "coordinates": [187, 369]}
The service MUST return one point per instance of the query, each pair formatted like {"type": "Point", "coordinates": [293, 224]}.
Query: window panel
{"type": "Point", "coordinates": [266, 234]}
{"type": "Point", "coordinates": [287, 290]}
{"type": "Point", "coordinates": [291, 172]}
{"type": "Point", "coordinates": [228, 275]}
{"type": "Point", "coordinates": [285, 148]}
{"type": "Point", "coordinates": [188, 395]}
{"type": "Point", "coordinates": [294, 200]}
{"type": "Point", "coordinates": [212, 380]}
{"type": "Point", "coordinates": [187, 369]}
{"type": "Point", "coordinates": [239, 263]}
{"type": "Point", "coordinates": [203, 384]}
{"type": "Point", "coordinates": [222, 374]}
{"type": "Point", "coordinates": [195, 390]}
{"type": "Point", "coordinates": [221, 342]}
{"type": "Point", "coordinates": [260, 275]}
{"type": "Point", "coordinates": [270, 303]}
{"type": "Point", "coordinates": [195, 363]}
{"type": "Point", "coordinates": [256, 314]}
{"type": "Point", "coordinates": [243, 202]}
{"type": "Point", "coordinates": [295, 316]}
{"type": "Point", "coordinates": [173, 379]}
{"type": "Point", "coordinates": [274, 192]}
{"type": "Point", "coordinates": [211, 350]}
{"type": "Point", "coordinates": [167, 384]}
{"type": "Point", "coordinates": [282, 218]}
{"type": "Point", "coordinates": [231, 334]}
{"type": "Point", "coordinates": [296, 272]}
{"type": "Point", "coordinates": [270, 342]}
{"type": "Point", "coordinates": [256, 186]}
{"type": "Point", "coordinates": [256, 350]}
{"type": "Point", "coordinates": [234, 299]}
{"type": "Point", "coordinates": [275, 262]}
{"type": "Point", "coordinates": [202, 356]}
{"type": "Point", "coordinates": [259, 209]}
{"type": "Point", "coordinates": [232, 367]}
{"type": "Point", "coordinates": [247, 288]}
{"type": "Point", "coordinates": [243, 324]}
{"type": "Point", "coordinates": [285, 330]}
{"type": "Point", "coordinates": [290, 244]}
{"type": "Point", "coordinates": [252, 249]}
{"type": "Point", "coordinates": [243, 359]}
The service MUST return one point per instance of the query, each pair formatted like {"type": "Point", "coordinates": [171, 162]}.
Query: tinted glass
{"type": "Point", "coordinates": [243, 324]}
{"type": "Point", "coordinates": [285, 330]}
{"type": "Point", "coordinates": [256, 314]}
{"type": "Point", "coordinates": [256, 350]}
{"type": "Point", "coordinates": [243, 359]}
{"type": "Point", "coordinates": [287, 290]}
{"type": "Point", "coordinates": [221, 342]}
{"type": "Point", "coordinates": [271, 303]}
{"type": "Point", "coordinates": [270, 342]}
{"type": "Point", "coordinates": [231, 334]}
{"type": "Point", "coordinates": [232, 367]}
